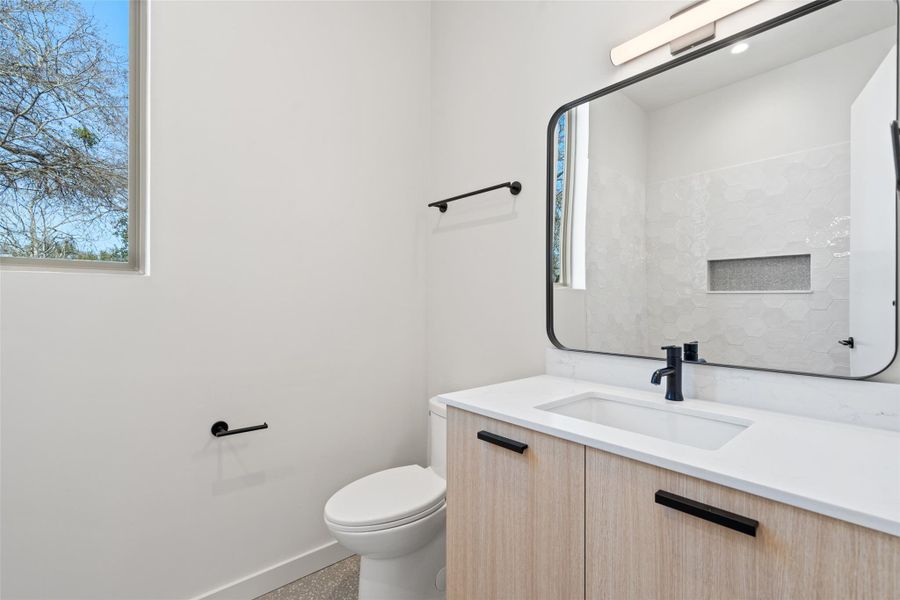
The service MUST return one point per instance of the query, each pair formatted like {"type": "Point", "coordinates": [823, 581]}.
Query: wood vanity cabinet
{"type": "Point", "coordinates": [515, 521]}
{"type": "Point", "coordinates": [560, 521]}
{"type": "Point", "coordinates": [637, 548]}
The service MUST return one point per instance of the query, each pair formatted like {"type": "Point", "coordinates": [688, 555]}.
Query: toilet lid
{"type": "Point", "coordinates": [386, 496]}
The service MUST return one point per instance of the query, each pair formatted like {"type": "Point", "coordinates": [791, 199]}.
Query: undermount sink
{"type": "Point", "coordinates": [672, 423]}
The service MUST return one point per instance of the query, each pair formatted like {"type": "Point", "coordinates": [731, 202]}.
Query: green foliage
{"type": "Point", "coordinates": [84, 134]}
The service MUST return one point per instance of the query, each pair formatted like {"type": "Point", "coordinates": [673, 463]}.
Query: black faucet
{"type": "Point", "coordinates": [672, 372]}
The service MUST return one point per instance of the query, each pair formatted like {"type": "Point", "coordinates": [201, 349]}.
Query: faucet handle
{"type": "Point", "coordinates": [672, 352]}
{"type": "Point", "coordinates": [692, 351]}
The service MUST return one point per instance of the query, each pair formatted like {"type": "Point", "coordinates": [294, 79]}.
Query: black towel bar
{"type": "Point", "coordinates": [514, 188]}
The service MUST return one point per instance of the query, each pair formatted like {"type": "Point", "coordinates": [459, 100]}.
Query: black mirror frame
{"type": "Point", "coordinates": [675, 62]}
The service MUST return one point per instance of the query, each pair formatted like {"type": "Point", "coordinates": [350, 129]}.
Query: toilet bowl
{"type": "Point", "coordinates": [395, 520]}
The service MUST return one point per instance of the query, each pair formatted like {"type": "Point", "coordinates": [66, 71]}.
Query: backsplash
{"type": "Point", "coordinates": [865, 403]}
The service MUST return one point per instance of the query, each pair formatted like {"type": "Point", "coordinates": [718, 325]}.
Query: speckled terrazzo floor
{"type": "Point", "coordinates": [340, 581]}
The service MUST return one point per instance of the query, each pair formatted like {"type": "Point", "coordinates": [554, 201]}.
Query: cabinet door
{"type": "Point", "coordinates": [638, 548]}
{"type": "Point", "coordinates": [515, 521]}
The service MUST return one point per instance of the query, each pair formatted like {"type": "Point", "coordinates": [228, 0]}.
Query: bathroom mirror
{"type": "Point", "coordinates": [743, 195]}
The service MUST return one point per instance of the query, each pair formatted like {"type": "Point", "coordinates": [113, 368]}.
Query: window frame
{"type": "Point", "coordinates": [138, 12]}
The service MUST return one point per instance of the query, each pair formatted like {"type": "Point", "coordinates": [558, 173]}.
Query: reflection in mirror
{"type": "Point", "coordinates": [745, 199]}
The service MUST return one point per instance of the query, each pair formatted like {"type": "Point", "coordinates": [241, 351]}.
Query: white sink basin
{"type": "Point", "coordinates": [673, 423]}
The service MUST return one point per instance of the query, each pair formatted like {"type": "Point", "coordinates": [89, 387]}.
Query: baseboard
{"type": "Point", "coordinates": [278, 575]}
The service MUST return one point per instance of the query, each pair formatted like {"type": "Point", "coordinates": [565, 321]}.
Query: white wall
{"type": "Point", "coordinates": [570, 317]}
{"type": "Point", "coordinates": [499, 70]}
{"type": "Point", "coordinates": [289, 145]}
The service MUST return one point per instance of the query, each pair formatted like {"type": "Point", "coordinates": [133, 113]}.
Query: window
{"type": "Point", "coordinates": [562, 209]}
{"type": "Point", "coordinates": [70, 84]}
{"type": "Point", "coordinates": [570, 198]}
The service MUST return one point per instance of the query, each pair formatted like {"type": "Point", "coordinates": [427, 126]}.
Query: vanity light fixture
{"type": "Point", "coordinates": [678, 26]}
{"type": "Point", "coordinates": [740, 47]}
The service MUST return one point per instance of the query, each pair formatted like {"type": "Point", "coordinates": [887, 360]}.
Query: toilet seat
{"type": "Point", "coordinates": [386, 499]}
{"type": "Point", "coordinates": [389, 525]}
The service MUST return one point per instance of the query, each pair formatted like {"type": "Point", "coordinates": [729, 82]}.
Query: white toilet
{"type": "Point", "coordinates": [394, 520]}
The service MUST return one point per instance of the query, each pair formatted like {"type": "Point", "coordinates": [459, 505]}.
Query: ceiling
{"type": "Point", "coordinates": [814, 33]}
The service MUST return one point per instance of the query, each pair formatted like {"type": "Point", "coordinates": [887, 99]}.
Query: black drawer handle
{"type": "Point", "coordinates": [503, 442]}
{"type": "Point", "coordinates": [708, 513]}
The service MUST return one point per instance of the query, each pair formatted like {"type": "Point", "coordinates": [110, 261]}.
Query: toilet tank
{"type": "Point", "coordinates": [437, 436]}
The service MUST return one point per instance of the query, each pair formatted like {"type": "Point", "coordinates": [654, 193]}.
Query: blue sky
{"type": "Point", "coordinates": [112, 16]}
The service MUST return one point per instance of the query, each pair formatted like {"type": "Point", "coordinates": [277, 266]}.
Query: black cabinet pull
{"type": "Point", "coordinates": [708, 513]}
{"type": "Point", "coordinates": [503, 442]}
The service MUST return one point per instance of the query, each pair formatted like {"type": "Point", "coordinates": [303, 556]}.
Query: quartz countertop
{"type": "Point", "coordinates": [843, 471]}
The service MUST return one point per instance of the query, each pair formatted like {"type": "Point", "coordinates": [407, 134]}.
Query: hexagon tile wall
{"type": "Point", "coordinates": [648, 251]}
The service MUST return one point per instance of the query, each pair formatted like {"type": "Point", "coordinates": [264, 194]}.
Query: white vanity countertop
{"type": "Point", "coordinates": [844, 471]}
